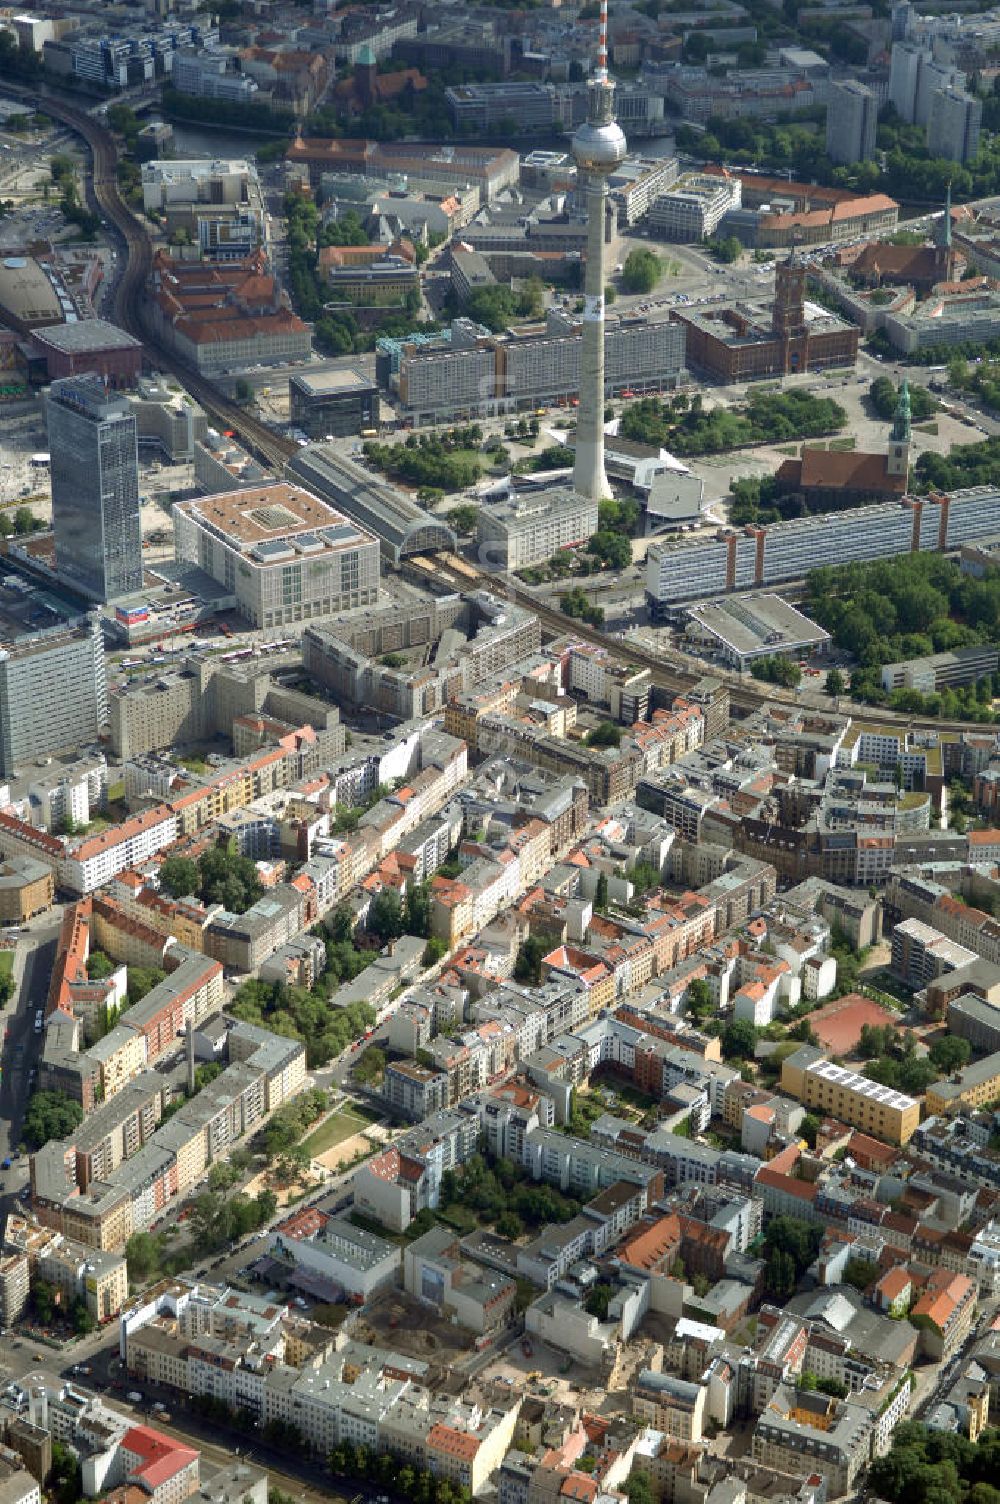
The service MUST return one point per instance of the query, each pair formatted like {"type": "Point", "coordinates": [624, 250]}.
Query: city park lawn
{"type": "Point", "coordinates": [340, 1125]}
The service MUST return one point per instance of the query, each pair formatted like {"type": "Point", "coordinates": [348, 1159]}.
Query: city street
{"type": "Point", "coordinates": [33, 960]}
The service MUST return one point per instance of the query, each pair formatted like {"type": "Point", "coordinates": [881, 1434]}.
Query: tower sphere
{"type": "Point", "coordinates": [599, 147]}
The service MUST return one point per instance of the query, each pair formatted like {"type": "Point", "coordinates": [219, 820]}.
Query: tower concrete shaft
{"type": "Point", "coordinates": [589, 475]}
{"type": "Point", "coordinates": [598, 146]}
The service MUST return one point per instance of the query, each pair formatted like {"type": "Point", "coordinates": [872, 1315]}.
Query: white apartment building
{"type": "Point", "coordinates": [97, 859]}
{"type": "Point", "coordinates": [953, 124]}
{"type": "Point", "coordinates": [914, 77]}
{"type": "Point", "coordinates": [694, 207]}
{"type": "Point", "coordinates": [208, 75]}
{"type": "Point", "coordinates": [851, 117]}
{"type": "Point", "coordinates": [737, 559]}
{"type": "Point", "coordinates": [638, 182]}
{"type": "Point", "coordinates": [530, 529]}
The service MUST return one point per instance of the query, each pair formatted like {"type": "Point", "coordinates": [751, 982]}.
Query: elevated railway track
{"type": "Point", "coordinates": [274, 450]}
{"type": "Point", "coordinates": [671, 676]}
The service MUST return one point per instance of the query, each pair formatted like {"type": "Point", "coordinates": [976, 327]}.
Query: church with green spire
{"type": "Point", "coordinates": [944, 251]}
{"type": "Point", "coordinates": [898, 459]}
{"type": "Point", "coordinates": [832, 477]}
{"type": "Point", "coordinates": [922, 267]}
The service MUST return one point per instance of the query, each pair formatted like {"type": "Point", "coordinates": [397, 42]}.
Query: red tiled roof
{"type": "Point", "coordinates": [648, 1244]}
{"type": "Point", "coordinates": [580, 1487]}
{"type": "Point", "coordinates": [893, 1283]}
{"type": "Point", "coordinates": [160, 1457]}
{"type": "Point", "coordinates": [848, 470]}
{"type": "Point", "coordinates": [454, 1443]}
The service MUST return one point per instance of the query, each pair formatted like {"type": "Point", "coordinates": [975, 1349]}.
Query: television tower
{"type": "Point", "coordinates": [598, 146]}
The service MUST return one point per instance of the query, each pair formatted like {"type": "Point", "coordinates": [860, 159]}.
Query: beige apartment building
{"type": "Point", "coordinates": [877, 1110]}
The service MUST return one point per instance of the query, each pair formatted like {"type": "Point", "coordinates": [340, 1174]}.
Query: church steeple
{"type": "Point", "coordinates": [898, 459]}
{"type": "Point", "coordinates": [901, 418]}
{"type": "Point", "coordinates": [945, 240]}
{"type": "Point", "coordinates": [944, 254]}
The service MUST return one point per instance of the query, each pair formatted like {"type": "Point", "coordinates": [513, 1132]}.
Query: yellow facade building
{"type": "Point", "coordinates": [877, 1110]}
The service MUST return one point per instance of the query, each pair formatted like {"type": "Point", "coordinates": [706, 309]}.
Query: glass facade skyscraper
{"type": "Point", "coordinates": [94, 464]}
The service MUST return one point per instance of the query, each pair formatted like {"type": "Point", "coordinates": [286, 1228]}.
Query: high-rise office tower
{"type": "Point", "coordinates": [95, 488]}
{"type": "Point", "coordinates": [954, 125]}
{"type": "Point", "coordinates": [903, 18]}
{"type": "Point", "coordinates": [53, 692]}
{"type": "Point", "coordinates": [599, 147]}
{"type": "Point", "coordinates": [851, 117]}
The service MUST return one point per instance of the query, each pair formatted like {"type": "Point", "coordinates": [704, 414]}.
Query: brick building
{"type": "Point", "coordinates": [739, 344]}
{"type": "Point", "coordinates": [89, 347]}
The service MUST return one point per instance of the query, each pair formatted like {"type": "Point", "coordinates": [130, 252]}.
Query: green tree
{"type": "Point", "coordinates": [205, 1074]}
{"type": "Point", "coordinates": [774, 668]}
{"type": "Point", "coordinates": [385, 917]}
{"type": "Point", "coordinates": [739, 1039]}
{"type": "Point", "coordinates": [779, 1275]}
{"type": "Point", "coordinates": [528, 963]}
{"type": "Point", "coordinates": [860, 1273]}
{"type": "Point", "coordinates": [509, 1225]}
{"type": "Point", "coordinates": [340, 924]}
{"type": "Point", "coordinates": [601, 892]}
{"type": "Point", "coordinates": [99, 966]}
{"type": "Point", "coordinates": [50, 1114]}
{"type": "Point", "coordinates": [229, 879]}
{"type": "Point", "coordinates": [142, 1254]}
{"type": "Point", "coordinates": [639, 1488]}
{"type": "Point", "coordinates": [644, 877]}
{"type": "Point", "coordinates": [809, 1129]}
{"type": "Point", "coordinates": [699, 1000]}
{"type": "Point", "coordinates": [180, 876]}
{"type": "Point", "coordinates": [123, 119]}
{"type": "Point", "coordinates": [435, 950]}
{"type": "Point", "coordinates": [417, 910]}
{"type": "Point", "coordinates": [884, 397]}
{"type": "Point", "coordinates": [141, 980]}
{"type": "Point", "coordinates": [606, 734]}
{"type": "Point", "coordinates": [598, 1299]}
{"type": "Point", "coordinates": [43, 1300]}
{"type": "Point", "coordinates": [641, 271]}
{"type": "Point", "coordinates": [463, 518]}
{"type": "Point", "coordinates": [83, 1322]}
{"type": "Point", "coordinates": [950, 1053]}
{"type": "Point", "coordinates": [370, 1069]}
{"type": "Point", "coordinates": [727, 249]}
{"type": "Point", "coordinates": [612, 549]}
{"type": "Point", "coordinates": [835, 682]}
{"type": "Point", "coordinates": [65, 1478]}
{"type": "Point", "coordinates": [800, 1240]}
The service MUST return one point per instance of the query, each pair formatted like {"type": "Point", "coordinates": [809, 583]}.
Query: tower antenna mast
{"type": "Point", "coordinates": [599, 147]}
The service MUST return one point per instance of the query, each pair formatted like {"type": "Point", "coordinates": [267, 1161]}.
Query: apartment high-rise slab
{"type": "Point", "coordinates": [53, 692]}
